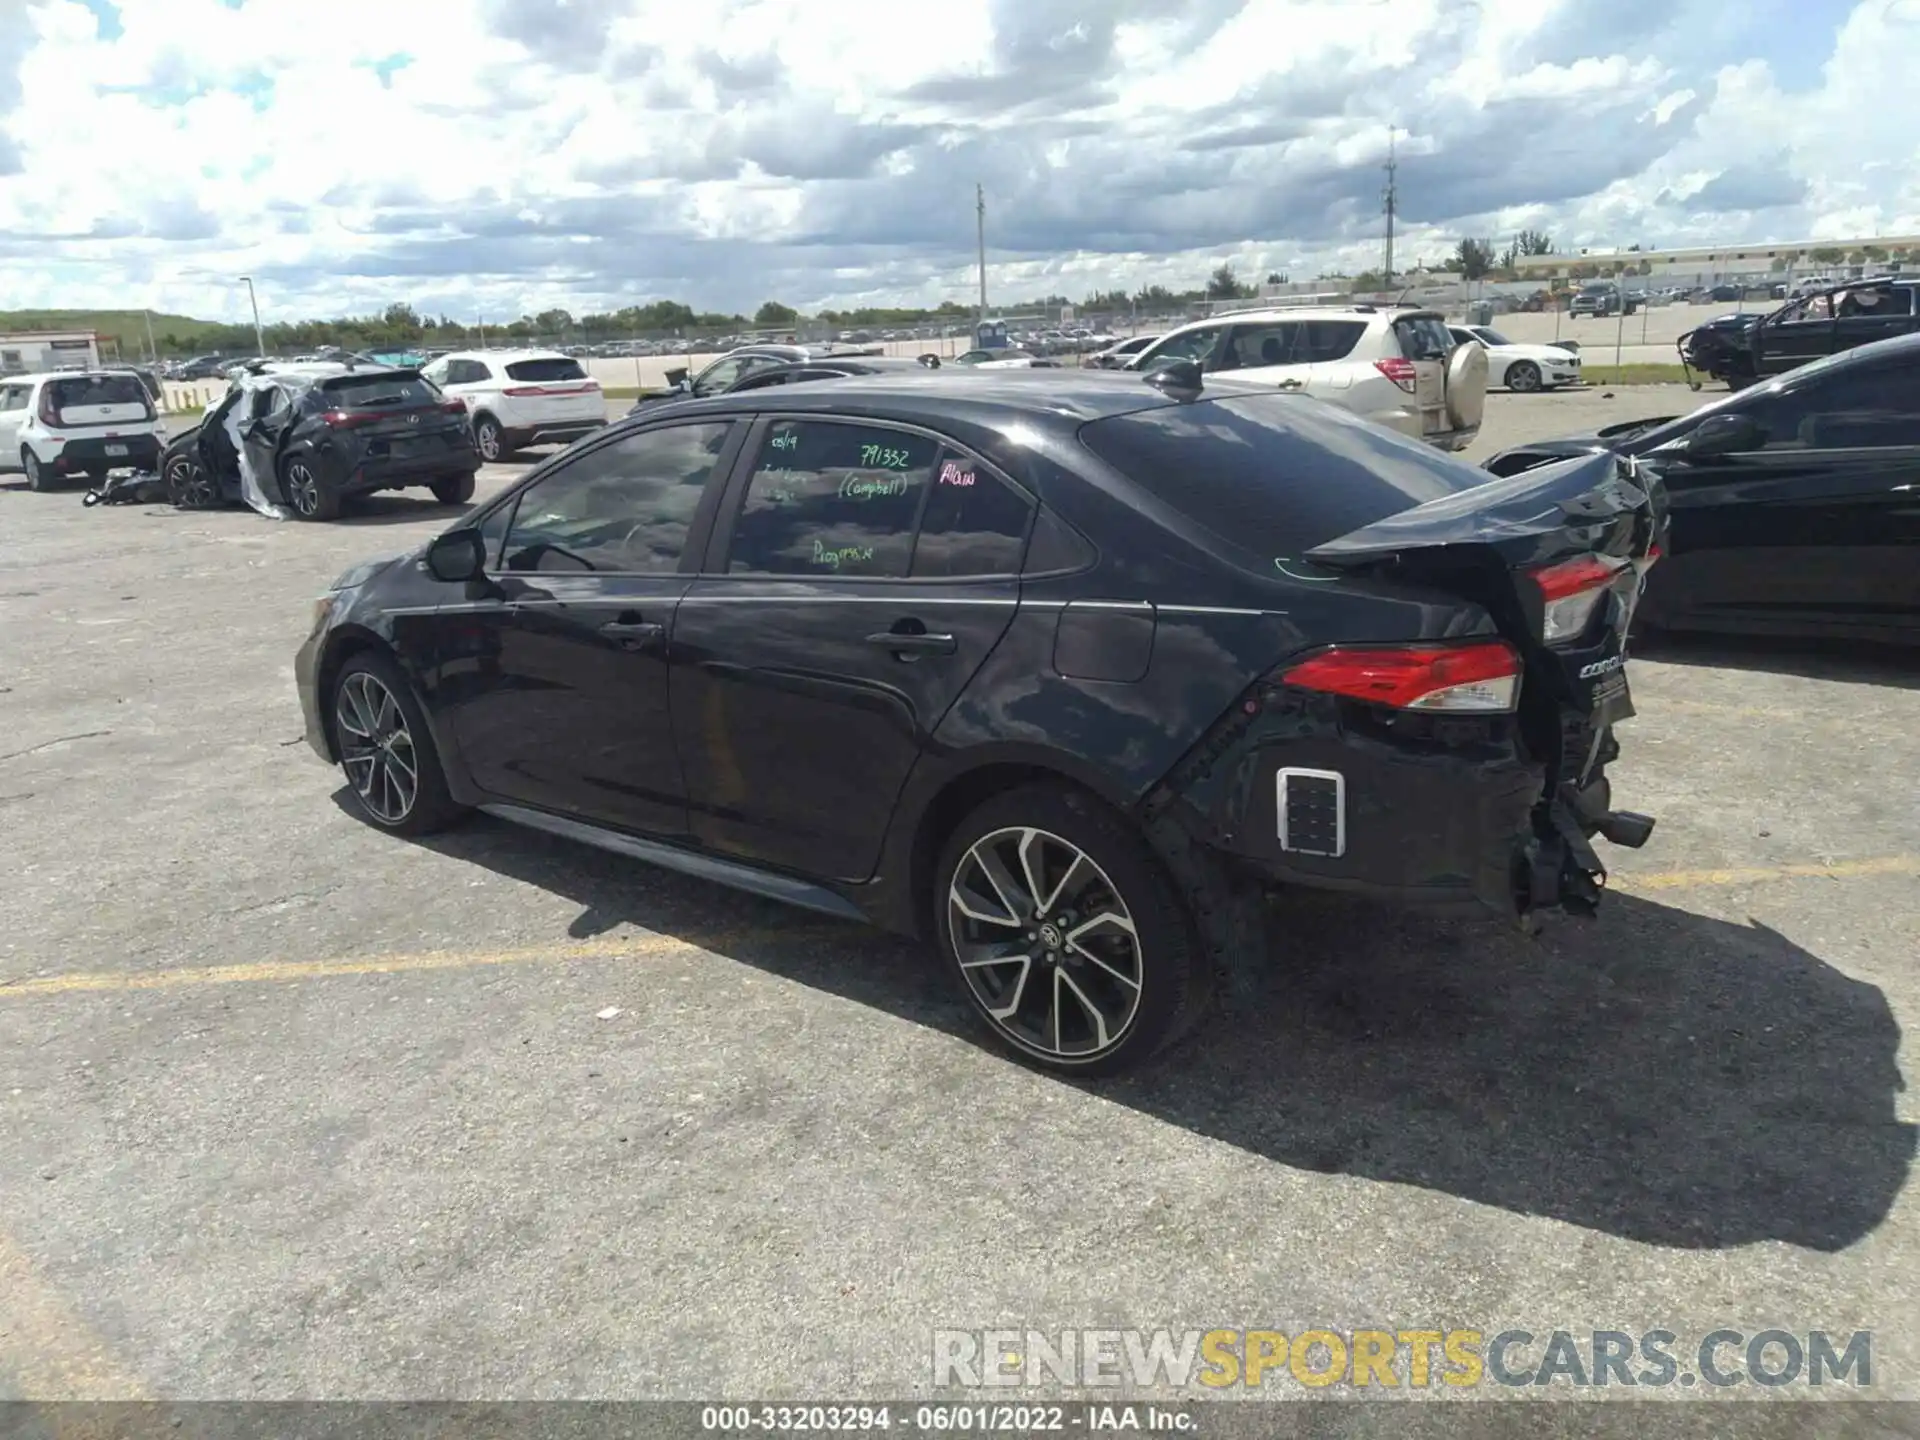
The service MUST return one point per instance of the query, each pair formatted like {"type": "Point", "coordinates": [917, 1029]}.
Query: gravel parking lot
{"type": "Point", "coordinates": [294, 1109]}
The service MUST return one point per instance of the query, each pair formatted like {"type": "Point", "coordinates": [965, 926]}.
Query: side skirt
{"type": "Point", "coordinates": [771, 884]}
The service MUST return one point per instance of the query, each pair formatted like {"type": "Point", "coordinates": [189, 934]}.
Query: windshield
{"type": "Point", "coordinates": [1492, 337]}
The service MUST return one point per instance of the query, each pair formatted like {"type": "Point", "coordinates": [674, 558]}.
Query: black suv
{"type": "Point", "coordinates": [307, 440]}
{"type": "Point", "coordinates": [1740, 349]}
{"type": "Point", "coordinates": [1055, 676]}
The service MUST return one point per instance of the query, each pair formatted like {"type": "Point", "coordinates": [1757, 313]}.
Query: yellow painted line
{"type": "Point", "coordinates": [1758, 874]}
{"type": "Point", "coordinates": [636, 947]}
{"type": "Point", "coordinates": [47, 1352]}
{"type": "Point", "coordinates": [652, 947]}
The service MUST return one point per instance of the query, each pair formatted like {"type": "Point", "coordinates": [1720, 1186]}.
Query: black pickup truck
{"type": "Point", "coordinates": [1741, 349]}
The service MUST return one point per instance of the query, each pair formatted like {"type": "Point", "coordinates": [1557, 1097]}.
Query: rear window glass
{"type": "Point", "coordinates": [541, 371]}
{"type": "Point", "coordinates": [98, 390]}
{"type": "Point", "coordinates": [371, 392]}
{"type": "Point", "coordinates": [1272, 476]}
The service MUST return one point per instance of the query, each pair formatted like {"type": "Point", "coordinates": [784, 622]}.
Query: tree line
{"type": "Point", "coordinates": [400, 327]}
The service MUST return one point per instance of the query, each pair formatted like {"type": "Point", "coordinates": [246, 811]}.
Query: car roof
{"type": "Point", "coordinates": [505, 356]}
{"type": "Point", "coordinates": [1060, 398]}
{"type": "Point", "coordinates": [1360, 310]}
{"type": "Point", "coordinates": [34, 377]}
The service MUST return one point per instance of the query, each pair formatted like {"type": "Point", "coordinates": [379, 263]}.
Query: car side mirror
{"type": "Point", "coordinates": [458, 555]}
{"type": "Point", "coordinates": [1724, 435]}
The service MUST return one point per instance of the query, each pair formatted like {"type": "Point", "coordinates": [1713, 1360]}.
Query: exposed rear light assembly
{"type": "Point", "coordinates": [49, 415]}
{"type": "Point", "coordinates": [1571, 590]}
{"type": "Point", "coordinates": [1401, 372]}
{"type": "Point", "coordinates": [1473, 678]}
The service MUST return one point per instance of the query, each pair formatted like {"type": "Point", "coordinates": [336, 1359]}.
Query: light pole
{"type": "Point", "coordinates": [259, 340]}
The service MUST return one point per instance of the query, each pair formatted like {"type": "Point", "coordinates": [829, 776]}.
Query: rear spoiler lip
{"type": "Point", "coordinates": [1601, 503]}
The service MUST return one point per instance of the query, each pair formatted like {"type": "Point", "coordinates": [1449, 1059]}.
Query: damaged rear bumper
{"type": "Point", "coordinates": [1447, 813]}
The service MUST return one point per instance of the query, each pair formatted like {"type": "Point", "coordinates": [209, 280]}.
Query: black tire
{"type": "Point", "coordinates": [190, 486]}
{"type": "Point", "coordinates": [310, 493]}
{"type": "Point", "coordinates": [1162, 963]}
{"type": "Point", "coordinates": [1523, 377]}
{"type": "Point", "coordinates": [38, 476]}
{"type": "Point", "coordinates": [375, 772]}
{"type": "Point", "coordinates": [453, 489]}
{"type": "Point", "coordinates": [489, 439]}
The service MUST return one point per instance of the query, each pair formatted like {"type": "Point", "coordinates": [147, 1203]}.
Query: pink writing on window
{"type": "Point", "coordinates": [953, 473]}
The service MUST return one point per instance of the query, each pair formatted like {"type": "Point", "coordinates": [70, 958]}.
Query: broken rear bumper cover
{"type": "Point", "coordinates": [1455, 816]}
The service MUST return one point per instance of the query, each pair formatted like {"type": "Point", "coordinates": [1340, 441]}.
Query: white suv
{"type": "Point", "coordinates": [521, 397]}
{"type": "Point", "coordinates": [1397, 367]}
{"type": "Point", "coordinates": [77, 422]}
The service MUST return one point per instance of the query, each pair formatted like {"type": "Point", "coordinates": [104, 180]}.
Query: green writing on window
{"type": "Point", "coordinates": [833, 559]}
{"type": "Point", "coordinates": [884, 457]}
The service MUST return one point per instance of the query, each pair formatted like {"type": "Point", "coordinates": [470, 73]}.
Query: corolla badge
{"type": "Point", "coordinates": [1602, 667]}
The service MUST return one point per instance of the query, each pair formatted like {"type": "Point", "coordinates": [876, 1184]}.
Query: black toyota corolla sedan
{"type": "Point", "coordinates": [1796, 503]}
{"type": "Point", "coordinates": [1057, 678]}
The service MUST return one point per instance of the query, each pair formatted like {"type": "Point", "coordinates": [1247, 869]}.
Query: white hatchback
{"type": "Point", "coordinates": [77, 422]}
{"type": "Point", "coordinates": [1397, 367]}
{"type": "Point", "coordinates": [518, 398]}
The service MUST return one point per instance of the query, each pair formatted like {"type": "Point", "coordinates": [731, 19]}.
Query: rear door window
{"type": "Point", "coordinates": [974, 523]}
{"type": "Point", "coordinates": [832, 498]}
{"type": "Point", "coordinates": [1266, 486]}
{"type": "Point", "coordinates": [546, 371]}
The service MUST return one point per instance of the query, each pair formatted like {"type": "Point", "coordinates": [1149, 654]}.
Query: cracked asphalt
{"type": "Point", "coordinates": [291, 1109]}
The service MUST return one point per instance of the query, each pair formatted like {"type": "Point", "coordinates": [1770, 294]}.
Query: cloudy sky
{"type": "Point", "coordinates": [504, 156]}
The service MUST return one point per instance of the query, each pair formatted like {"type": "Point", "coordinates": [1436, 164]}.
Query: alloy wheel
{"type": "Point", "coordinates": [376, 748]}
{"type": "Point", "coordinates": [303, 488]}
{"type": "Point", "coordinates": [1523, 377]}
{"type": "Point", "coordinates": [486, 436]}
{"type": "Point", "coordinates": [191, 486]}
{"type": "Point", "coordinates": [1046, 943]}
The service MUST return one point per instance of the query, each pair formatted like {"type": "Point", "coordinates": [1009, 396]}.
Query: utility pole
{"type": "Point", "coordinates": [980, 214]}
{"type": "Point", "coordinates": [153, 350]}
{"type": "Point", "coordinates": [1386, 278]}
{"type": "Point", "coordinates": [259, 340]}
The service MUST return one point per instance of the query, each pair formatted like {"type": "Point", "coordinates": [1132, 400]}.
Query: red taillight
{"type": "Point", "coordinates": [1478, 678]}
{"type": "Point", "coordinates": [48, 414]}
{"type": "Point", "coordinates": [1571, 590]}
{"type": "Point", "coordinates": [1400, 372]}
{"type": "Point", "coordinates": [453, 407]}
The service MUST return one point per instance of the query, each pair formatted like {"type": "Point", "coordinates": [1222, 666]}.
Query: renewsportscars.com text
{"type": "Point", "coordinates": [1399, 1359]}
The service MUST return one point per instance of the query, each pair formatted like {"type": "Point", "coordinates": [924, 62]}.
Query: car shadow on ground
{"type": "Point", "coordinates": [388, 508]}
{"type": "Point", "coordinates": [1851, 661]}
{"type": "Point", "coordinates": [1654, 1074]}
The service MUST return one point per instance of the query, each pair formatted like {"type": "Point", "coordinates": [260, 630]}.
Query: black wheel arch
{"type": "Point", "coordinates": [937, 799]}
{"type": "Point", "coordinates": [343, 644]}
